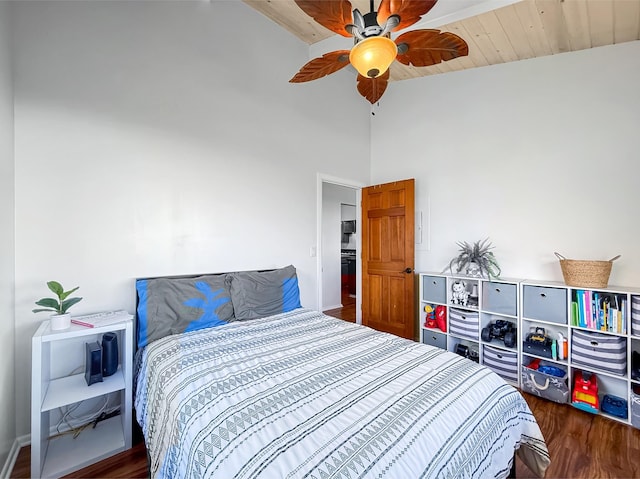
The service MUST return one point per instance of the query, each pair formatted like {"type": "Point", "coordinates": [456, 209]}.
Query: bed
{"type": "Point", "coordinates": [241, 381]}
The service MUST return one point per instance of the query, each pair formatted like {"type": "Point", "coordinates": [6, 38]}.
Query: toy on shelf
{"type": "Point", "coordinates": [459, 293]}
{"type": "Point", "coordinates": [635, 366]}
{"type": "Point", "coordinates": [501, 329]}
{"type": "Point", "coordinates": [539, 343]}
{"type": "Point", "coordinates": [467, 352]}
{"type": "Point", "coordinates": [441, 317]}
{"type": "Point", "coordinates": [430, 318]}
{"type": "Point", "coordinates": [585, 392]}
{"type": "Point", "coordinates": [546, 369]}
{"type": "Point", "coordinates": [435, 318]}
{"type": "Point", "coordinates": [614, 405]}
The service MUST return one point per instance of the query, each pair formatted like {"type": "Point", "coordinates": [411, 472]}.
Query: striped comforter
{"type": "Point", "coordinates": [301, 394]}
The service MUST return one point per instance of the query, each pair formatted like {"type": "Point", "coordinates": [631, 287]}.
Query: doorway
{"type": "Point", "coordinates": [339, 267]}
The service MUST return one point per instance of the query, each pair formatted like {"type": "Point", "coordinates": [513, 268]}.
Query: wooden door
{"type": "Point", "coordinates": [388, 258]}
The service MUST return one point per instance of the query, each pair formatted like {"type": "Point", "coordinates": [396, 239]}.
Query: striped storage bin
{"type": "Point", "coordinates": [464, 323]}
{"type": "Point", "coordinates": [635, 315]}
{"type": "Point", "coordinates": [502, 362]}
{"type": "Point", "coordinates": [602, 352]}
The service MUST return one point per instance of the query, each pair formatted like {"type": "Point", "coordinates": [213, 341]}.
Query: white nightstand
{"type": "Point", "coordinates": [57, 380]}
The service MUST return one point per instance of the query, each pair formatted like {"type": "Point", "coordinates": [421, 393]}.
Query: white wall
{"type": "Point", "coordinates": [158, 138]}
{"type": "Point", "coordinates": [7, 246]}
{"type": "Point", "coordinates": [539, 155]}
{"type": "Point", "coordinates": [333, 196]}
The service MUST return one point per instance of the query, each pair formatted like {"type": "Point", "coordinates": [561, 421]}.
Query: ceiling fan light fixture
{"type": "Point", "coordinates": [373, 56]}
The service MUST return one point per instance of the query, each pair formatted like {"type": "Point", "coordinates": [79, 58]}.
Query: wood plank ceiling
{"type": "Point", "coordinates": [526, 29]}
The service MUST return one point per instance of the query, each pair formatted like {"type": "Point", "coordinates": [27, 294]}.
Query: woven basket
{"type": "Point", "coordinates": [586, 274]}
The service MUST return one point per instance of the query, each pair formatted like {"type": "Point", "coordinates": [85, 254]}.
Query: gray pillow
{"type": "Point", "coordinates": [175, 305]}
{"type": "Point", "coordinates": [256, 294]}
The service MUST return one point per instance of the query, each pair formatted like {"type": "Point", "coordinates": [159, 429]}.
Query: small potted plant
{"type": "Point", "coordinates": [476, 259]}
{"type": "Point", "coordinates": [60, 319]}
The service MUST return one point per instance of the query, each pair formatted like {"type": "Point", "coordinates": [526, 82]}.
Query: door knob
{"type": "Point", "coordinates": [408, 270]}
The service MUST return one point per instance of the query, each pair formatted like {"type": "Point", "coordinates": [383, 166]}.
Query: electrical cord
{"type": "Point", "coordinates": [76, 425]}
{"type": "Point", "coordinates": [73, 422]}
{"type": "Point", "coordinates": [77, 430]}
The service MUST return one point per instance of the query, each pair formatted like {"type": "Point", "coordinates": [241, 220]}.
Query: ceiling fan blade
{"type": "Point", "coordinates": [322, 66]}
{"type": "Point", "coordinates": [422, 48]}
{"type": "Point", "coordinates": [332, 14]}
{"type": "Point", "coordinates": [410, 11]}
{"type": "Point", "coordinates": [373, 88]}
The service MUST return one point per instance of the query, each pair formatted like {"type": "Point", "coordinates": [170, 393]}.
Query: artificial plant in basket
{"type": "Point", "coordinates": [475, 259]}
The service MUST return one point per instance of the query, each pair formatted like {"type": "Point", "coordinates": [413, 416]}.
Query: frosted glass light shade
{"type": "Point", "coordinates": [372, 56]}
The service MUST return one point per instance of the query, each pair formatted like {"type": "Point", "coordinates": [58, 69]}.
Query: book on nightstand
{"type": "Point", "coordinates": [101, 319]}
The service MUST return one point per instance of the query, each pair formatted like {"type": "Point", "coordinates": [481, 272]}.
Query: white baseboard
{"type": "Point", "coordinates": [19, 442]}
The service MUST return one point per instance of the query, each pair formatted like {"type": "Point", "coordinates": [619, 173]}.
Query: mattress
{"type": "Point", "coordinates": [301, 394]}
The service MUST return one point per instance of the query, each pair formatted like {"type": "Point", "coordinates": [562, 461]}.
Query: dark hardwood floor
{"type": "Point", "coordinates": [583, 445]}
{"type": "Point", "coordinates": [348, 310]}
{"type": "Point", "coordinates": [128, 464]}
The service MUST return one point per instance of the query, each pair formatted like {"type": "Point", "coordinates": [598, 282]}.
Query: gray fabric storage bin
{"type": "Point", "coordinates": [504, 363]}
{"type": "Point", "coordinates": [543, 385]}
{"type": "Point", "coordinates": [603, 352]}
{"type": "Point", "coordinates": [635, 315]}
{"type": "Point", "coordinates": [635, 409]}
{"type": "Point", "coordinates": [464, 323]}
{"type": "Point", "coordinates": [501, 298]}
{"type": "Point", "coordinates": [434, 289]}
{"type": "Point", "coordinates": [432, 338]}
{"type": "Point", "coordinates": [545, 303]}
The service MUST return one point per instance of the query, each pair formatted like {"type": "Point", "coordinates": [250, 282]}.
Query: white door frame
{"type": "Point", "coordinates": [323, 178]}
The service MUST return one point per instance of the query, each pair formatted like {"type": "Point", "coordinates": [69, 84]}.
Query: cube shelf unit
{"type": "Point", "coordinates": [57, 380]}
{"type": "Point", "coordinates": [487, 301]}
{"type": "Point", "coordinates": [531, 306]}
{"type": "Point", "coordinates": [553, 306]}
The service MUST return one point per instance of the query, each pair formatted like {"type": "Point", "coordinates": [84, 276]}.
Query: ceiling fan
{"type": "Point", "coordinates": [374, 50]}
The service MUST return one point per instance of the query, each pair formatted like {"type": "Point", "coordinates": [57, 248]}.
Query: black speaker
{"type": "Point", "coordinates": [93, 363]}
{"type": "Point", "coordinates": [109, 353]}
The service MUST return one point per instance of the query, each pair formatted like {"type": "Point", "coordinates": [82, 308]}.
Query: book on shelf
{"type": "Point", "coordinates": [599, 311]}
{"type": "Point", "coordinates": [588, 303]}
{"type": "Point", "coordinates": [574, 313]}
{"type": "Point", "coordinates": [582, 309]}
{"type": "Point", "coordinates": [104, 318]}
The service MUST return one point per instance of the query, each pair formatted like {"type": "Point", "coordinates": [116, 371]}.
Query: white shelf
{"type": "Point", "coordinates": [546, 323]}
{"type": "Point", "coordinates": [466, 338]}
{"type": "Point", "coordinates": [608, 382]}
{"type": "Point", "coordinates": [543, 304]}
{"type": "Point", "coordinates": [563, 362]}
{"type": "Point", "coordinates": [74, 388]}
{"type": "Point", "coordinates": [499, 345]}
{"type": "Point", "coordinates": [53, 353]}
{"type": "Point", "coordinates": [66, 454]}
{"type": "Point", "coordinates": [493, 299]}
{"type": "Point", "coordinates": [76, 331]}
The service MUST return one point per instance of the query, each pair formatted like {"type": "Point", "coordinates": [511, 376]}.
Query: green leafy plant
{"type": "Point", "coordinates": [60, 305]}
{"type": "Point", "coordinates": [478, 253]}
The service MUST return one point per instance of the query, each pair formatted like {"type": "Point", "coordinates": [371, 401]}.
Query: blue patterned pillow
{"type": "Point", "coordinates": [257, 294]}
{"type": "Point", "coordinates": [175, 305]}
